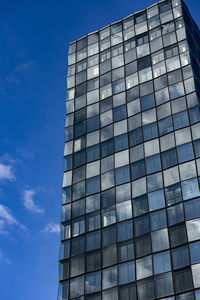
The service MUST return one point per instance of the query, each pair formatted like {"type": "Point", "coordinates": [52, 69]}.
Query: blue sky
{"type": "Point", "coordinates": [33, 65]}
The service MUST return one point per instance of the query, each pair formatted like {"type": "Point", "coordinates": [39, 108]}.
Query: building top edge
{"type": "Point", "coordinates": [119, 20]}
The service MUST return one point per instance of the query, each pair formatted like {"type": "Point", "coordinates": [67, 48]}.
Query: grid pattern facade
{"type": "Point", "coordinates": [130, 221]}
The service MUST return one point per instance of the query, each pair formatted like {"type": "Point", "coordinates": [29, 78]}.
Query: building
{"type": "Point", "coordinates": [130, 224]}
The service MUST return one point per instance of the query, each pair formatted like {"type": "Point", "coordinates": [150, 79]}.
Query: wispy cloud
{"type": "Point", "coordinates": [7, 167]}
{"type": "Point", "coordinates": [4, 259]}
{"type": "Point", "coordinates": [20, 70]}
{"type": "Point", "coordinates": [7, 220]}
{"type": "Point", "coordinates": [6, 172]}
{"type": "Point", "coordinates": [29, 203]}
{"type": "Point", "coordinates": [52, 228]}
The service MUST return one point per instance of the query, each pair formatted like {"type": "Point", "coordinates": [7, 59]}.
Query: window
{"type": "Point", "coordinates": [195, 252]}
{"type": "Point", "coordinates": [93, 240]}
{"type": "Point", "coordinates": [144, 267]}
{"type": "Point", "coordinates": [124, 211]}
{"type": "Point", "coordinates": [156, 200]}
{"type": "Point", "coordinates": [76, 287]}
{"type": "Point", "coordinates": [143, 245]}
{"type": "Point", "coordinates": [78, 227]}
{"type": "Point", "coordinates": [76, 266]}
{"type": "Point", "coordinates": [93, 282]}
{"type": "Point", "coordinates": [185, 152]}
{"type": "Point", "coordinates": [128, 292]}
{"type": "Point", "coordinates": [108, 216]}
{"type": "Point", "coordinates": [161, 262]}
{"type": "Point", "coordinates": [141, 225]}
{"type": "Point", "coordinates": [109, 255]}
{"type": "Point", "coordinates": [190, 189]}
{"type": "Point", "coordinates": [126, 272]}
{"type": "Point", "coordinates": [147, 102]}
{"type": "Point", "coordinates": [193, 229]}
{"type": "Point", "coordinates": [182, 280]}
{"type": "Point", "coordinates": [123, 192]}
{"type": "Point", "coordinates": [153, 164]}
{"type": "Point", "coordinates": [180, 257]}
{"type": "Point", "coordinates": [145, 289]}
{"type": "Point", "coordinates": [93, 221]}
{"type": "Point", "coordinates": [158, 220]}
{"type": "Point", "coordinates": [178, 235]}
{"type": "Point", "coordinates": [140, 205]}
{"type": "Point", "coordinates": [160, 240]}
{"type": "Point", "coordinates": [175, 214]}
{"type": "Point", "coordinates": [77, 245]}
{"type": "Point", "coordinates": [107, 180]}
{"type": "Point", "coordinates": [169, 158]}
{"type": "Point", "coordinates": [124, 230]}
{"type": "Point", "coordinates": [109, 277]}
{"type": "Point", "coordinates": [164, 285]}
{"type": "Point", "coordinates": [110, 295]}
{"type": "Point", "coordinates": [181, 120]}
{"type": "Point", "coordinates": [137, 169]}
{"type": "Point", "coordinates": [150, 131]}
{"type": "Point", "coordinates": [125, 251]}
{"type": "Point", "coordinates": [109, 235]}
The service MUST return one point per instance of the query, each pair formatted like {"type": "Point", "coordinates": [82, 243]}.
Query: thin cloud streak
{"type": "Point", "coordinates": [29, 203]}
{"type": "Point", "coordinates": [7, 220]}
{"type": "Point", "coordinates": [6, 172]}
{"type": "Point", "coordinates": [52, 228]}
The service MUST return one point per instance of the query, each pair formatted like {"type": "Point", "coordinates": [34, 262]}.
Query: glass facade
{"type": "Point", "coordinates": [130, 220]}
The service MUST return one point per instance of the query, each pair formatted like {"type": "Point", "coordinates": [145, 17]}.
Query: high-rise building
{"type": "Point", "coordinates": [130, 224]}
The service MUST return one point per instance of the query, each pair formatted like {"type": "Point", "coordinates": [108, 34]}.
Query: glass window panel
{"type": "Point", "coordinates": [193, 229]}
{"type": "Point", "coordinates": [178, 235]}
{"type": "Point", "coordinates": [124, 211]}
{"type": "Point", "coordinates": [76, 287]}
{"type": "Point", "coordinates": [126, 272]}
{"type": "Point", "coordinates": [144, 267]}
{"type": "Point", "coordinates": [141, 225]}
{"type": "Point", "coordinates": [160, 240]}
{"type": "Point", "coordinates": [190, 189]}
{"type": "Point", "coordinates": [175, 214]}
{"type": "Point", "coordinates": [109, 277]}
{"type": "Point", "coordinates": [164, 285]}
{"type": "Point", "coordinates": [125, 251]}
{"type": "Point", "coordinates": [158, 220]}
{"type": "Point", "coordinates": [156, 200]}
{"type": "Point", "coordinates": [195, 252]}
{"type": "Point", "coordinates": [182, 280]}
{"type": "Point", "coordinates": [124, 230]}
{"type": "Point", "coordinates": [162, 262]}
{"type": "Point", "coordinates": [196, 275]}
{"type": "Point", "coordinates": [93, 282]}
{"type": "Point", "coordinates": [109, 255]}
{"type": "Point", "coordinates": [180, 257]}
{"type": "Point", "coordinates": [140, 205]}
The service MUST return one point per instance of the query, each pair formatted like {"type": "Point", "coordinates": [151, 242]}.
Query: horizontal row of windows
{"type": "Point", "coordinates": [172, 80]}
{"type": "Point", "coordinates": [137, 25]}
{"type": "Point", "coordinates": [158, 218]}
{"type": "Point", "coordinates": [123, 172]}
{"type": "Point", "coordinates": [120, 60]}
{"type": "Point", "coordinates": [145, 289]}
{"type": "Point", "coordinates": [181, 256]}
{"type": "Point", "coordinates": [183, 280]}
{"type": "Point", "coordinates": [154, 38]}
{"type": "Point", "coordinates": [167, 31]}
{"type": "Point", "coordinates": [184, 151]}
{"type": "Point", "coordinates": [118, 76]}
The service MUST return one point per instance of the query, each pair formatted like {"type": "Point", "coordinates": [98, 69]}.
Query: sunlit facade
{"type": "Point", "coordinates": [130, 222]}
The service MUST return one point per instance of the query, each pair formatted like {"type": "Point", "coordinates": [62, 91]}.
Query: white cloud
{"type": "Point", "coordinates": [6, 172]}
{"type": "Point", "coordinates": [52, 228]}
{"type": "Point", "coordinates": [29, 203]}
{"type": "Point", "coordinates": [7, 219]}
